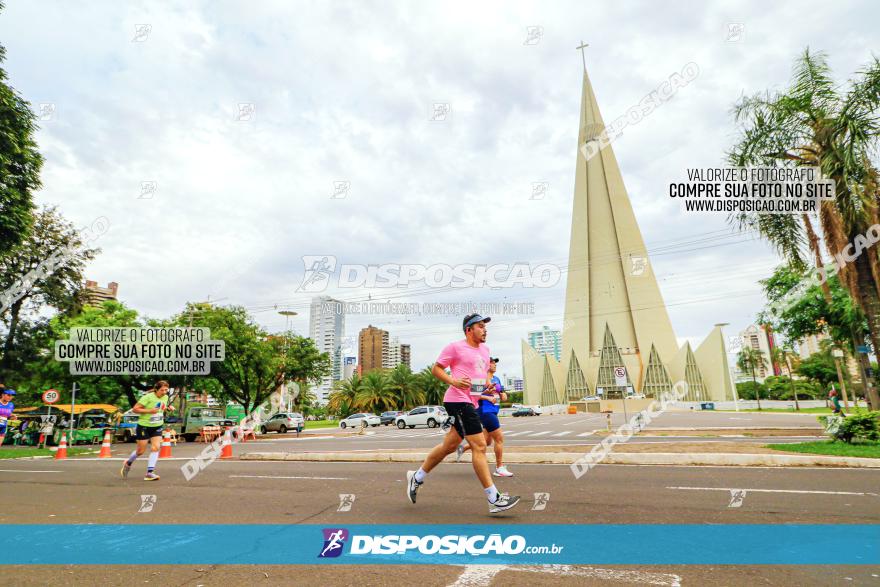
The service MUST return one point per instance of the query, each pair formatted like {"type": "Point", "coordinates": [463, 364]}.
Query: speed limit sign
{"type": "Point", "coordinates": [51, 396]}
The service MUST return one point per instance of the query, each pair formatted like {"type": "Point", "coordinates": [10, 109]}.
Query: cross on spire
{"type": "Point", "coordinates": [581, 48]}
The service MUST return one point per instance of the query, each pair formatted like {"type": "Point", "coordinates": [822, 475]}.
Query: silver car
{"type": "Point", "coordinates": [283, 422]}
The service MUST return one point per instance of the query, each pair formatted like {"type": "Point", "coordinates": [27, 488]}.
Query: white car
{"type": "Point", "coordinates": [430, 416]}
{"type": "Point", "coordinates": [360, 420]}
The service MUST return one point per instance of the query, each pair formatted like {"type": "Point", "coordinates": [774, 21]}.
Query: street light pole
{"type": "Point", "coordinates": [287, 316]}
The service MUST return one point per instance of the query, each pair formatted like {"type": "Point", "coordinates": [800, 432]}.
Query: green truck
{"type": "Point", "coordinates": [194, 419]}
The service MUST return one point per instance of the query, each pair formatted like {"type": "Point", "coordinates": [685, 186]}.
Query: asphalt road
{"type": "Point", "coordinates": [90, 490]}
{"type": "Point", "coordinates": [547, 430]}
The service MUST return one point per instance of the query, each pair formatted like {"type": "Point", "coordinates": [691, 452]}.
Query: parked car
{"type": "Point", "coordinates": [283, 422]}
{"type": "Point", "coordinates": [360, 420]}
{"type": "Point", "coordinates": [389, 417]}
{"type": "Point", "coordinates": [524, 411]}
{"type": "Point", "coordinates": [430, 416]}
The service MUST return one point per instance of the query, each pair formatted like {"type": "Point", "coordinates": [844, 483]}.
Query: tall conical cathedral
{"type": "Point", "coordinates": [614, 313]}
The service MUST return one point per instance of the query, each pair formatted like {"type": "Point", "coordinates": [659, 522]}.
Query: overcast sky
{"type": "Point", "coordinates": [345, 92]}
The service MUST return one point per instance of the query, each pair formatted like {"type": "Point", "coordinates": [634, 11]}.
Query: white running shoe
{"type": "Point", "coordinates": [503, 472]}
{"type": "Point", "coordinates": [458, 452]}
{"type": "Point", "coordinates": [503, 503]}
{"type": "Point", "coordinates": [412, 486]}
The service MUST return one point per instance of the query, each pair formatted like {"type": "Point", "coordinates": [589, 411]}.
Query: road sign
{"type": "Point", "coordinates": [620, 376]}
{"type": "Point", "coordinates": [51, 396]}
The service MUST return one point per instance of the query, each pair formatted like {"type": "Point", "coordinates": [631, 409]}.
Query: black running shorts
{"type": "Point", "coordinates": [467, 420]}
{"type": "Point", "coordinates": [147, 432]}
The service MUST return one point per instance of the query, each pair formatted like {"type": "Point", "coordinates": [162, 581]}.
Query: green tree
{"type": "Point", "coordinates": [256, 363]}
{"type": "Point", "coordinates": [783, 356]}
{"type": "Point", "coordinates": [430, 388]}
{"type": "Point", "coordinates": [52, 237]}
{"type": "Point", "coordinates": [813, 124]}
{"type": "Point", "coordinates": [20, 164]}
{"type": "Point", "coordinates": [403, 382]}
{"type": "Point", "coordinates": [376, 393]}
{"type": "Point", "coordinates": [748, 361]}
{"type": "Point", "coordinates": [44, 372]}
{"type": "Point", "coordinates": [819, 367]}
{"type": "Point", "coordinates": [342, 401]}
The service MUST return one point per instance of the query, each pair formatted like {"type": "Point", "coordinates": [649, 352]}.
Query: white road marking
{"type": "Point", "coordinates": [774, 490]}
{"type": "Point", "coordinates": [479, 575]}
{"type": "Point", "coordinates": [541, 433]}
{"type": "Point", "coordinates": [586, 434]}
{"type": "Point", "coordinates": [287, 477]}
{"type": "Point", "coordinates": [508, 435]}
{"type": "Point", "coordinates": [563, 433]}
{"type": "Point", "coordinates": [26, 471]}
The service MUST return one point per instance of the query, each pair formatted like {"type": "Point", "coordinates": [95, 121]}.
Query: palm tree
{"type": "Point", "coordinates": [430, 388]}
{"type": "Point", "coordinates": [343, 399]}
{"type": "Point", "coordinates": [748, 360]}
{"type": "Point", "coordinates": [403, 383]}
{"type": "Point", "coordinates": [375, 393]}
{"type": "Point", "coordinates": [305, 397]}
{"type": "Point", "coordinates": [783, 356]}
{"type": "Point", "coordinates": [811, 124]}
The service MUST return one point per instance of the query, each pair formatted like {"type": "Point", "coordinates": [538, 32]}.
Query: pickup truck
{"type": "Point", "coordinates": [194, 418]}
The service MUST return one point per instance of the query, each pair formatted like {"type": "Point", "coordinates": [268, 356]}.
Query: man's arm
{"type": "Point", "coordinates": [441, 374]}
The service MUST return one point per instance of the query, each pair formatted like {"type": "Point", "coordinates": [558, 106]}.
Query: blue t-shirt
{"type": "Point", "coordinates": [487, 407]}
{"type": "Point", "coordinates": [5, 413]}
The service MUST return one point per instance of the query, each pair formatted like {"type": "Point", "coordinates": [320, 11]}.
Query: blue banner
{"type": "Point", "coordinates": [578, 544]}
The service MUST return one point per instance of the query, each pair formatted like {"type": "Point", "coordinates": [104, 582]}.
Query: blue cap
{"type": "Point", "coordinates": [472, 319]}
{"type": "Point", "coordinates": [8, 391]}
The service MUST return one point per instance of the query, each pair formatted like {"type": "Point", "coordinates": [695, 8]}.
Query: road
{"type": "Point", "coordinates": [255, 492]}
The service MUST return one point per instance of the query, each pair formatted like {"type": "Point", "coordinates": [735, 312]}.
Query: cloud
{"type": "Point", "coordinates": [345, 92]}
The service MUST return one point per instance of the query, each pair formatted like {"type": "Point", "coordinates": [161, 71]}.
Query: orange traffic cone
{"type": "Point", "coordinates": [165, 450]}
{"type": "Point", "coordinates": [226, 447]}
{"type": "Point", "coordinates": [105, 446]}
{"type": "Point", "coordinates": [61, 453]}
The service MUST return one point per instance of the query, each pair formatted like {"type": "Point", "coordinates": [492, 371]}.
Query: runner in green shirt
{"type": "Point", "coordinates": [151, 409]}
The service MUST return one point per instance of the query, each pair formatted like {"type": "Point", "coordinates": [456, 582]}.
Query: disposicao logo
{"type": "Point", "coordinates": [334, 541]}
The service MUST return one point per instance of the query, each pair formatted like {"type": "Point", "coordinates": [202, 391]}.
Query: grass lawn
{"type": "Point", "coordinates": [310, 424]}
{"type": "Point", "coordinates": [29, 451]}
{"type": "Point", "coordinates": [829, 447]}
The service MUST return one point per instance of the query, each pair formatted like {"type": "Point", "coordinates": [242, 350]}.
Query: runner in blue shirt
{"type": "Point", "coordinates": [489, 419]}
{"type": "Point", "coordinates": [6, 408]}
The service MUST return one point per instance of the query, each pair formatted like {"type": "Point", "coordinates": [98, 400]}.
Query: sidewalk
{"type": "Point", "coordinates": [673, 454]}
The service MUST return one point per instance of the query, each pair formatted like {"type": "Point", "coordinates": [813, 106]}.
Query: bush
{"type": "Point", "coordinates": [746, 390]}
{"type": "Point", "coordinates": [860, 425]}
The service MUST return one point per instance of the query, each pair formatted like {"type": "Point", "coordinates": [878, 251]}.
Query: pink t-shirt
{"type": "Point", "coordinates": [464, 360]}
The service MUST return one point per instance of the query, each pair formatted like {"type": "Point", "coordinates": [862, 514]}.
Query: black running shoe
{"type": "Point", "coordinates": [503, 503]}
{"type": "Point", "coordinates": [412, 486]}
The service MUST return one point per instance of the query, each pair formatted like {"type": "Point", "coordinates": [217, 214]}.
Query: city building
{"type": "Point", "coordinates": [406, 355]}
{"type": "Point", "coordinates": [759, 338]}
{"type": "Point", "coordinates": [809, 345]}
{"type": "Point", "coordinates": [372, 349]}
{"type": "Point", "coordinates": [349, 367]}
{"type": "Point", "coordinates": [546, 342]}
{"type": "Point", "coordinates": [616, 330]}
{"type": "Point", "coordinates": [95, 295]}
{"type": "Point", "coordinates": [327, 329]}
{"type": "Point", "coordinates": [512, 383]}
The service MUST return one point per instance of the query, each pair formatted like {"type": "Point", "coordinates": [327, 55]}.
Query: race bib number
{"type": "Point", "coordinates": [157, 417]}
{"type": "Point", "coordinates": [478, 386]}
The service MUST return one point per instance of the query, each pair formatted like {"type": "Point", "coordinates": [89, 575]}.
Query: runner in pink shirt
{"type": "Point", "coordinates": [468, 363]}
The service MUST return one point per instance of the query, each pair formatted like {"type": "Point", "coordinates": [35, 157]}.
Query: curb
{"type": "Point", "coordinates": [708, 459]}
